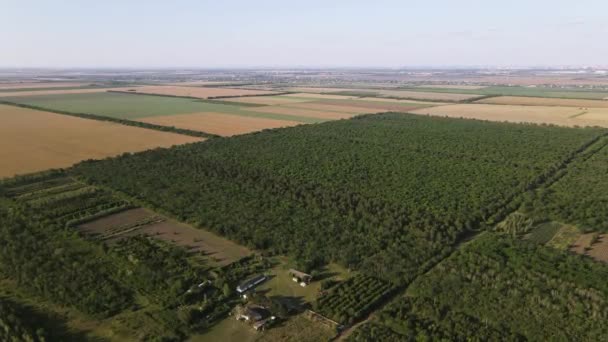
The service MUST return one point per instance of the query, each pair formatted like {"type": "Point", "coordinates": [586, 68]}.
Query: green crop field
{"type": "Point", "coordinates": [132, 107]}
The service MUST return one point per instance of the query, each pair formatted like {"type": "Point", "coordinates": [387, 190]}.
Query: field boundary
{"type": "Point", "coordinates": [125, 122]}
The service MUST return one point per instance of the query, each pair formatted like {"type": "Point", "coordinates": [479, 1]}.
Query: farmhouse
{"type": "Point", "coordinates": [300, 277]}
{"type": "Point", "coordinates": [250, 284]}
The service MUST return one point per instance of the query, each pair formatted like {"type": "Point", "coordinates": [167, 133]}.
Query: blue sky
{"type": "Point", "coordinates": [184, 33]}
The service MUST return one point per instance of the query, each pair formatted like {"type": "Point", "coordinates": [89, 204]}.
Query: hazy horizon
{"type": "Point", "coordinates": [273, 34]}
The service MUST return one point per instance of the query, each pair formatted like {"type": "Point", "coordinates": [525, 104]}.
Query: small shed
{"type": "Point", "coordinates": [300, 277]}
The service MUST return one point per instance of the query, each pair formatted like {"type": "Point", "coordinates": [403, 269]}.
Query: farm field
{"type": "Point", "coordinates": [563, 116]}
{"type": "Point", "coordinates": [4, 95]}
{"type": "Point", "coordinates": [133, 107]}
{"type": "Point", "coordinates": [220, 124]}
{"type": "Point", "coordinates": [266, 100]}
{"type": "Point", "coordinates": [492, 289]}
{"type": "Point", "coordinates": [141, 221]}
{"type": "Point", "coordinates": [427, 195]}
{"type": "Point", "coordinates": [32, 140]}
{"type": "Point", "coordinates": [320, 114]}
{"type": "Point", "coordinates": [547, 92]}
{"type": "Point", "coordinates": [598, 250]}
{"type": "Point", "coordinates": [45, 85]}
{"type": "Point", "coordinates": [347, 109]}
{"type": "Point", "coordinates": [447, 86]}
{"type": "Point", "coordinates": [539, 101]}
{"type": "Point", "coordinates": [197, 92]}
{"type": "Point", "coordinates": [404, 94]}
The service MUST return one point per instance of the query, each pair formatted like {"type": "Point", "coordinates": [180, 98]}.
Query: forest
{"type": "Point", "coordinates": [511, 285]}
{"type": "Point", "coordinates": [422, 319]}
{"type": "Point", "coordinates": [580, 197]}
{"type": "Point", "coordinates": [389, 194]}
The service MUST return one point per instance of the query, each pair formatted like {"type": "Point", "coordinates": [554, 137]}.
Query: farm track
{"type": "Point", "coordinates": [584, 152]}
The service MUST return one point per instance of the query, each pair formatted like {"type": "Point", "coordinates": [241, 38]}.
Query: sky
{"type": "Point", "coordinates": [312, 33]}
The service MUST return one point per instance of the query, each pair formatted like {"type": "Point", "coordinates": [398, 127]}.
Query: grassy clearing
{"type": "Point", "coordinates": [544, 232]}
{"type": "Point", "coordinates": [281, 284]}
{"type": "Point", "coordinates": [565, 237]}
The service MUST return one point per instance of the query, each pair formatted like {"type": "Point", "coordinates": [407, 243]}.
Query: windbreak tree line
{"type": "Point", "coordinates": [388, 194]}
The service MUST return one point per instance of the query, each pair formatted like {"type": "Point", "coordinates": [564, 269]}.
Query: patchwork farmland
{"type": "Point", "coordinates": [229, 117]}
{"type": "Point", "coordinates": [362, 217]}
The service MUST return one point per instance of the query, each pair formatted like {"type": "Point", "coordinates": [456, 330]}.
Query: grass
{"type": "Point", "coordinates": [544, 232]}
{"type": "Point", "coordinates": [228, 329]}
{"type": "Point", "coordinates": [520, 91]}
{"type": "Point", "coordinates": [565, 237]}
{"type": "Point", "coordinates": [282, 284]}
{"type": "Point", "coordinates": [132, 107]}
{"type": "Point", "coordinates": [296, 328]}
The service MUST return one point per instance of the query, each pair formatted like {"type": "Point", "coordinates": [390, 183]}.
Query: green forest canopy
{"type": "Point", "coordinates": [387, 193]}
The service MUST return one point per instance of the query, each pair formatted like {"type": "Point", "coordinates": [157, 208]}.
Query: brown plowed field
{"type": "Point", "coordinates": [221, 250]}
{"type": "Point", "coordinates": [404, 106]}
{"type": "Point", "coordinates": [563, 116]}
{"type": "Point", "coordinates": [266, 100]}
{"type": "Point", "coordinates": [320, 114]}
{"type": "Point", "coordinates": [32, 140]}
{"type": "Point", "coordinates": [583, 242]}
{"type": "Point", "coordinates": [198, 92]}
{"type": "Point", "coordinates": [320, 96]}
{"type": "Point", "coordinates": [318, 90]}
{"type": "Point", "coordinates": [380, 99]}
{"type": "Point", "coordinates": [451, 86]}
{"type": "Point", "coordinates": [599, 250]}
{"type": "Point", "coordinates": [406, 94]}
{"type": "Point", "coordinates": [27, 85]}
{"type": "Point", "coordinates": [416, 95]}
{"type": "Point", "coordinates": [540, 101]}
{"type": "Point", "coordinates": [218, 123]}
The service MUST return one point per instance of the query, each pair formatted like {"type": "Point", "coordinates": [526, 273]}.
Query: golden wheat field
{"type": "Point", "coordinates": [540, 101]}
{"type": "Point", "coordinates": [563, 116]}
{"type": "Point", "coordinates": [32, 140]}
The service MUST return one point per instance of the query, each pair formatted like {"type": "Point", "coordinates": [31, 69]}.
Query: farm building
{"type": "Point", "coordinates": [250, 284]}
{"type": "Point", "coordinates": [251, 313]}
{"type": "Point", "coordinates": [300, 277]}
{"type": "Point", "coordinates": [261, 325]}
